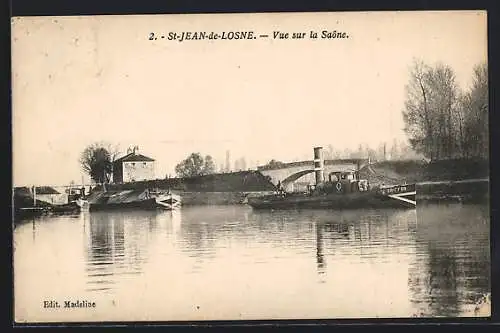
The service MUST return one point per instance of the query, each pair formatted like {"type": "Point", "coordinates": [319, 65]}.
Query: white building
{"type": "Point", "coordinates": [133, 167]}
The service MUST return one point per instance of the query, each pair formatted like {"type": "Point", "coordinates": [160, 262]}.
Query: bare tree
{"type": "Point", "coordinates": [443, 122]}
{"type": "Point", "coordinates": [417, 115]}
{"type": "Point", "coordinates": [431, 114]}
{"type": "Point", "coordinates": [475, 112]}
{"type": "Point", "coordinates": [444, 93]}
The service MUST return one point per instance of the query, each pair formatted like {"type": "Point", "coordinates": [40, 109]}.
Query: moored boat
{"type": "Point", "coordinates": [68, 208]}
{"type": "Point", "coordinates": [342, 190]}
{"type": "Point", "coordinates": [73, 207]}
{"type": "Point", "coordinates": [133, 199]}
{"type": "Point", "coordinates": [29, 212]}
{"type": "Point", "coordinates": [168, 201]}
{"type": "Point", "coordinates": [403, 196]}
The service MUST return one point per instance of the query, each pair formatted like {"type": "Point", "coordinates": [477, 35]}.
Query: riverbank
{"type": "Point", "coordinates": [413, 171]}
{"type": "Point", "coordinates": [464, 191]}
{"type": "Point", "coordinates": [456, 180]}
{"type": "Point", "coordinates": [215, 189]}
{"type": "Point", "coordinates": [451, 180]}
{"type": "Point", "coordinates": [242, 181]}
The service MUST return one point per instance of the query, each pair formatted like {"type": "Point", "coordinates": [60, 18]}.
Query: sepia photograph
{"type": "Point", "coordinates": [250, 166]}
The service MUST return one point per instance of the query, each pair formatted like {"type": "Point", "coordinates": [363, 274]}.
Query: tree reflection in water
{"type": "Point", "coordinates": [116, 244]}
{"type": "Point", "coordinates": [453, 267]}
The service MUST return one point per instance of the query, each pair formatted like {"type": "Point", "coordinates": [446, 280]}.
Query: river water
{"type": "Point", "coordinates": [230, 262]}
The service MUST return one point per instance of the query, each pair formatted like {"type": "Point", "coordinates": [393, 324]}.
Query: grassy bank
{"type": "Point", "coordinates": [243, 181]}
{"type": "Point", "coordinates": [457, 191]}
{"type": "Point", "coordinates": [449, 180]}
{"type": "Point", "coordinates": [459, 169]}
{"type": "Point", "coordinates": [216, 189]}
{"type": "Point", "coordinates": [421, 171]}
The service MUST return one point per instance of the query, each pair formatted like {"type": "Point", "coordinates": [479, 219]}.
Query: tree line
{"type": "Point", "coordinates": [197, 165]}
{"type": "Point", "coordinates": [442, 120]}
{"type": "Point", "coordinates": [395, 150]}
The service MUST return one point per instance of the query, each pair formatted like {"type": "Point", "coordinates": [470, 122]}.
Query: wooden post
{"type": "Point", "coordinates": [34, 196]}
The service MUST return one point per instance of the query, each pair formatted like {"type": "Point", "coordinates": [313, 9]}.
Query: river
{"type": "Point", "coordinates": [230, 262]}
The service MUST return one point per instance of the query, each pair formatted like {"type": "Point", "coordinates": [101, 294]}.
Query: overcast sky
{"type": "Point", "coordinates": [77, 80]}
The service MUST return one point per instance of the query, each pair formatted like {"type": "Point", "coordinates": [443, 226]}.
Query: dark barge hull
{"type": "Point", "coordinates": [68, 208]}
{"type": "Point", "coordinates": [132, 199]}
{"type": "Point", "coordinates": [148, 204]}
{"type": "Point", "coordinates": [27, 212]}
{"type": "Point", "coordinates": [330, 201]}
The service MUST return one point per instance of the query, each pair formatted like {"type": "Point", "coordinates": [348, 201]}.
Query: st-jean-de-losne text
{"type": "Point", "coordinates": [203, 35]}
{"type": "Point", "coordinates": [245, 35]}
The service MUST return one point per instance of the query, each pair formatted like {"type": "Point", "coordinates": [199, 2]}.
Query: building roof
{"type": "Point", "coordinates": [132, 157]}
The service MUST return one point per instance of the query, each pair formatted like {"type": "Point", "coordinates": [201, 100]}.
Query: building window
{"type": "Point", "coordinates": [133, 163]}
{"type": "Point", "coordinates": [144, 163]}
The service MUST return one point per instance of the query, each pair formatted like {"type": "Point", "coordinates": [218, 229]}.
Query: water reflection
{"type": "Point", "coordinates": [453, 270]}
{"type": "Point", "coordinates": [430, 262]}
{"type": "Point", "coordinates": [320, 257]}
{"type": "Point", "coordinates": [117, 245]}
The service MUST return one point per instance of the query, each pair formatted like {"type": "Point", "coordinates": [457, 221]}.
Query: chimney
{"type": "Point", "coordinates": [136, 150]}
{"type": "Point", "coordinates": [318, 164]}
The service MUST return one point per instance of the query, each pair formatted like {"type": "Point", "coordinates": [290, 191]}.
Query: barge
{"type": "Point", "coordinates": [398, 196]}
{"type": "Point", "coordinates": [27, 204]}
{"type": "Point", "coordinates": [133, 199]}
{"type": "Point", "coordinates": [341, 190]}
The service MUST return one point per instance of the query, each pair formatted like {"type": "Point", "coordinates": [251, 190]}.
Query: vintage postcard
{"type": "Point", "coordinates": [250, 166]}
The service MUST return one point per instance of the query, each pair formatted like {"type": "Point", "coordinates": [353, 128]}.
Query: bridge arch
{"type": "Point", "coordinates": [363, 164]}
{"type": "Point", "coordinates": [287, 173]}
{"type": "Point", "coordinates": [293, 177]}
